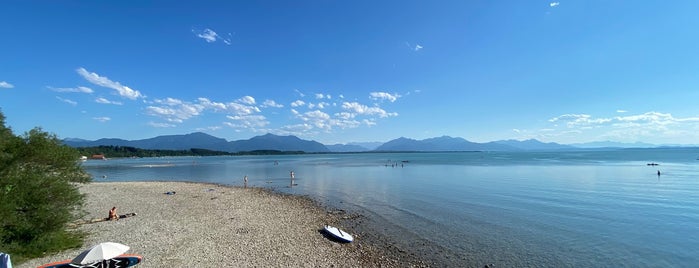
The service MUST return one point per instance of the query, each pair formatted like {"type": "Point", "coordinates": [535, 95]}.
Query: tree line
{"type": "Point", "coordinates": [113, 151]}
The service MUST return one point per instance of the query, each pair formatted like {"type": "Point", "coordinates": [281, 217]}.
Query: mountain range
{"type": "Point", "coordinates": [292, 143]}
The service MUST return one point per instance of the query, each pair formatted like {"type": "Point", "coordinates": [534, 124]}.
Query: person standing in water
{"type": "Point", "coordinates": [246, 181]}
{"type": "Point", "coordinates": [291, 174]}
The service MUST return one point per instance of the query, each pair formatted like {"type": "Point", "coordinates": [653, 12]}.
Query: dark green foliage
{"type": "Point", "coordinates": [111, 151]}
{"type": "Point", "coordinates": [38, 193]}
{"type": "Point", "coordinates": [126, 151]}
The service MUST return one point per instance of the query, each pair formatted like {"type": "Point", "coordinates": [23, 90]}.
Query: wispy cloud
{"type": "Point", "coordinates": [418, 47]}
{"type": "Point", "coordinates": [271, 103]}
{"type": "Point", "coordinates": [554, 4]}
{"type": "Point", "coordinates": [646, 126]}
{"type": "Point", "coordinates": [622, 111]}
{"type": "Point", "coordinates": [102, 119]}
{"type": "Point", "coordinates": [384, 96]}
{"type": "Point", "coordinates": [161, 125]}
{"type": "Point", "coordinates": [71, 102]}
{"type": "Point", "coordinates": [360, 109]}
{"type": "Point", "coordinates": [247, 121]}
{"type": "Point", "coordinates": [4, 84]}
{"type": "Point", "coordinates": [174, 110]}
{"type": "Point", "coordinates": [247, 100]}
{"type": "Point", "coordinates": [210, 36]}
{"type": "Point", "coordinates": [106, 101]}
{"type": "Point", "coordinates": [103, 81]}
{"type": "Point", "coordinates": [298, 103]}
{"type": "Point", "coordinates": [71, 89]}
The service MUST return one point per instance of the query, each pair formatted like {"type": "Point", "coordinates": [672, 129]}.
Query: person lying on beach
{"type": "Point", "coordinates": [113, 214]}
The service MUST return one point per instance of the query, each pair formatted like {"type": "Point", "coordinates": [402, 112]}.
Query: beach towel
{"type": "Point", "coordinates": [5, 260]}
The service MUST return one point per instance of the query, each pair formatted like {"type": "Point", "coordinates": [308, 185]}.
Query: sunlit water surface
{"type": "Point", "coordinates": [584, 209]}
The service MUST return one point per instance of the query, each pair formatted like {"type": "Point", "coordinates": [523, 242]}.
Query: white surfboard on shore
{"type": "Point", "coordinates": [338, 234]}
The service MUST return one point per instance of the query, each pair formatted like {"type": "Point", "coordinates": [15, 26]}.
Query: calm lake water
{"type": "Point", "coordinates": [519, 209]}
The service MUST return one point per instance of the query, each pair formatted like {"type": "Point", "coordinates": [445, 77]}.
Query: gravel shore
{"type": "Point", "coordinates": [207, 225]}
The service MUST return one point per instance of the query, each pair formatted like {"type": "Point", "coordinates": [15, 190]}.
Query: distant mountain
{"type": "Point", "coordinates": [612, 144]}
{"type": "Point", "coordinates": [205, 141]}
{"type": "Point", "coordinates": [444, 143]}
{"type": "Point", "coordinates": [345, 148]}
{"type": "Point", "coordinates": [72, 142]}
{"type": "Point", "coordinates": [533, 145]}
{"type": "Point", "coordinates": [183, 142]}
{"type": "Point", "coordinates": [368, 145]}
{"type": "Point", "coordinates": [274, 142]}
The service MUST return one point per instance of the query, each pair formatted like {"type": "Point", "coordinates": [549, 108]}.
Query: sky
{"type": "Point", "coordinates": [354, 71]}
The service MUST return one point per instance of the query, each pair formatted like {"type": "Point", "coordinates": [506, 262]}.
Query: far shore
{"type": "Point", "coordinates": [209, 225]}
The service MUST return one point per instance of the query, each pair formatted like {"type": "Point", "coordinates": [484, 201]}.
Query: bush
{"type": "Point", "coordinates": [39, 194]}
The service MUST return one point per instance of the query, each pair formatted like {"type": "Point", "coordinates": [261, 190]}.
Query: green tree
{"type": "Point", "coordinates": [39, 193]}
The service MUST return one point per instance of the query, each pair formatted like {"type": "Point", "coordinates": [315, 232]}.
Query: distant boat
{"type": "Point", "coordinates": [652, 164]}
{"type": "Point", "coordinates": [83, 158]}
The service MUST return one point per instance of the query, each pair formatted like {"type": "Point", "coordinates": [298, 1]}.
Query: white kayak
{"type": "Point", "coordinates": [338, 234]}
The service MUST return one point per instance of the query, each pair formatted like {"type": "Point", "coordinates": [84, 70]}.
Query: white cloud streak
{"type": "Point", "coordinates": [102, 119]}
{"type": "Point", "coordinates": [103, 81]}
{"type": "Point", "coordinates": [72, 89]}
{"type": "Point", "coordinates": [210, 36]}
{"type": "Point", "coordinates": [4, 84]}
{"type": "Point", "coordinates": [271, 103]}
{"type": "Point", "coordinates": [384, 96]}
{"type": "Point", "coordinates": [554, 4]}
{"type": "Point", "coordinates": [106, 101]}
{"type": "Point", "coordinates": [71, 102]}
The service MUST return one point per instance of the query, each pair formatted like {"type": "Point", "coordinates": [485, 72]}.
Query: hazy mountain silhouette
{"type": "Point", "coordinates": [533, 144]}
{"type": "Point", "coordinates": [444, 143]}
{"type": "Point", "coordinates": [274, 142]}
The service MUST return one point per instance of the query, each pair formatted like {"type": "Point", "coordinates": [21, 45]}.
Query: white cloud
{"type": "Point", "coordinates": [174, 110]}
{"type": "Point", "coordinates": [248, 121]}
{"type": "Point", "coordinates": [4, 84]}
{"type": "Point", "coordinates": [297, 103]}
{"type": "Point", "coordinates": [271, 103]}
{"type": "Point", "coordinates": [103, 81]}
{"type": "Point", "coordinates": [366, 110]}
{"type": "Point", "coordinates": [72, 89]}
{"type": "Point", "coordinates": [418, 47]}
{"type": "Point", "coordinates": [71, 102]}
{"type": "Point", "coordinates": [299, 92]}
{"type": "Point", "coordinates": [647, 126]}
{"type": "Point", "coordinates": [247, 100]}
{"type": "Point", "coordinates": [102, 119]}
{"type": "Point", "coordinates": [216, 106]}
{"type": "Point", "coordinates": [622, 111]}
{"type": "Point", "coordinates": [210, 36]}
{"type": "Point", "coordinates": [106, 101]}
{"type": "Point", "coordinates": [160, 125]}
{"type": "Point", "coordinates": [554, 4]}
{"type": "Point", "coordinates": [384, 96]}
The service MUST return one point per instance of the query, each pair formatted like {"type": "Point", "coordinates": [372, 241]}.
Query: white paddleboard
{"type": "Point", "coordinates": [338, 234]}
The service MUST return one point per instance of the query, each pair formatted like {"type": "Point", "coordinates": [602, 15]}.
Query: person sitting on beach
{"type": "Point", "coordinates": [113, 214]}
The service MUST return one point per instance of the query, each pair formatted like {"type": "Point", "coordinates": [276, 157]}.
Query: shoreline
{"type": "Point", "coordinates": [213, 225]}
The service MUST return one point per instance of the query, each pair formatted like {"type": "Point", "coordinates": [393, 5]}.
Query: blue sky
{"type": "Point", "coordinates": [354, 71]}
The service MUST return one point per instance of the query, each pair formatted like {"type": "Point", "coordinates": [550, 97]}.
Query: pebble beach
{"type": "Point", "coordinates": [208, 225]}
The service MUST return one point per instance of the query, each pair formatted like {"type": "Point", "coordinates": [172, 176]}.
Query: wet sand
{"type": "Point", "coordinates": [207, 225]}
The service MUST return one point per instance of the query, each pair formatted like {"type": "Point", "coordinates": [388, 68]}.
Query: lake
{"type": "Point", "coordinates": [461, 209]}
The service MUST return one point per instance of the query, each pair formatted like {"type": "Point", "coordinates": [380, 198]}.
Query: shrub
{"type": "Point", "coordinates": [39, 193]}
